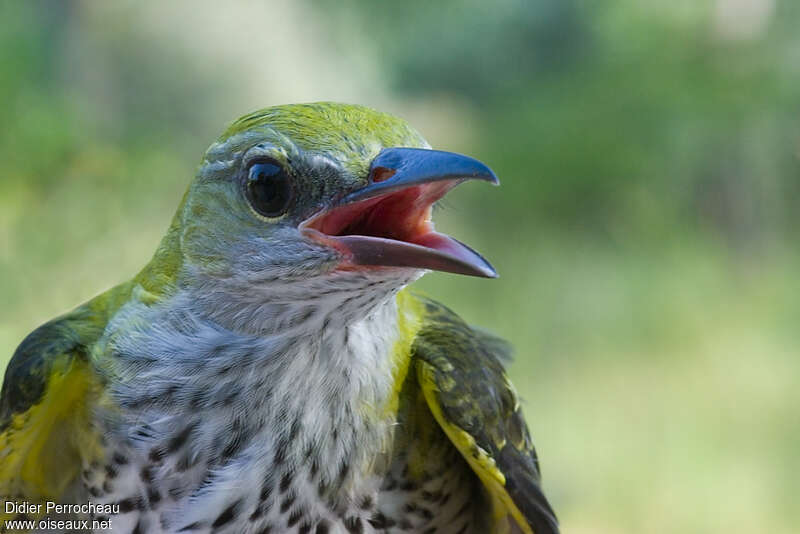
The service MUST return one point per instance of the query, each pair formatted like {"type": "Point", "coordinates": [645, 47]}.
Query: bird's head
{"type": "Point", "coordinates": [310, 196]}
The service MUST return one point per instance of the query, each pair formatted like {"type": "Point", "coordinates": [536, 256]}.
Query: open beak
{"type": "Point", "coordinates": [388, 222]}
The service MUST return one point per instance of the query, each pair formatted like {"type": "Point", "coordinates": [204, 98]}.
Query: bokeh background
{"type": "Point", "coordinates": [645, 231]}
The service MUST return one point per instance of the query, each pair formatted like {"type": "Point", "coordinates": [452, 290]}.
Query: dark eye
{"type": "Point", "coordinates": [268, 188]}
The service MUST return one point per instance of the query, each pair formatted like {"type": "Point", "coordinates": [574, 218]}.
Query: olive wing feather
{"type": "Point", "coordinates": [460, 371]}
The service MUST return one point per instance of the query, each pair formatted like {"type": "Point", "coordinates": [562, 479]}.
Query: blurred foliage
{"type": "Point", "coordinates": [626, 119]}
{"type": "Point", "coordinates": [645, 230]}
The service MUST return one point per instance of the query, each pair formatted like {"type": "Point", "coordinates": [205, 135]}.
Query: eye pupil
{"type": "Point", "coordinates": [268, 189]}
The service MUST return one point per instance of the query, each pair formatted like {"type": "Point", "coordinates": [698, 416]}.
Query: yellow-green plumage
{"type": "Point", "coordinates": [245, 380]}
{"type": "Point", "coordinates": [47, 394]}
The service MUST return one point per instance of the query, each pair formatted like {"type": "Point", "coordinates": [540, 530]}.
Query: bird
{"type": "Point", "coordinates": [270, 370]}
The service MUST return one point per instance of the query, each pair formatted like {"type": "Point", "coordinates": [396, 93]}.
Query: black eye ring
{"type": "Point", "coordinates": [268, 188]}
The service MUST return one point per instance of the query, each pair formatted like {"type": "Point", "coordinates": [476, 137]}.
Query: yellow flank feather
{"type": "Point", "coordinates": [479, 460]}
{"type": "Point", "coordinates": [39, 449]}
{"type": "Point", "coordinates": [409, 323]}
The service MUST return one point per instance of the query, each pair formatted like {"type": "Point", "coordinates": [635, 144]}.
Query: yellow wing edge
{"type": "Point", "coordinates": [478, 459]}
{"type": "Point", "coordinates": [41, 448]}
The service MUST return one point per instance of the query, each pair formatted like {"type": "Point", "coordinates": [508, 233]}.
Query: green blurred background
{"type": "Point", "coordinates": [645, 231]}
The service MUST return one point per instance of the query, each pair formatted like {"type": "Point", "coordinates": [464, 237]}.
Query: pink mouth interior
{"type": "Point", "coordinates": [403, 215]}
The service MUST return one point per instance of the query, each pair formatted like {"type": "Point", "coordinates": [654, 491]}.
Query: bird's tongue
{"type": "Point", "coordinates": [395, 230]}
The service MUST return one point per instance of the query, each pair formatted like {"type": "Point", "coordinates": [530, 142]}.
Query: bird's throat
{"type": "Point", "coordinates": [331, 390]}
